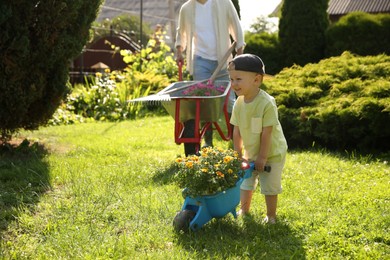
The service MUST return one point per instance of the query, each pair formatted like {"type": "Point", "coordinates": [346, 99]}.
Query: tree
{"type": "Point", "coordinates": [262, 24]}
{"type": "Point", "coordinates": [126, 24]}
{"type": "Point", "coordinates": [37, 41]}
{"type": "Point", "coordinates": [266, 46]}
{"type": "Point", "coordinates": [302, 29]}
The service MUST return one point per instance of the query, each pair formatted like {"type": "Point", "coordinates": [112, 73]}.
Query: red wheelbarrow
{"type": "Point", "coordinates": [210, 110]}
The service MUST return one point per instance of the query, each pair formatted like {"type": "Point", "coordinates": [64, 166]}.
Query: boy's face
{"type": "Point", "coordinates": [245, 83]}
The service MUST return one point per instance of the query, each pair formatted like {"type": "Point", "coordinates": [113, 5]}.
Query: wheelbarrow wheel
{"type": "Point", "coordinates": [182, 220]}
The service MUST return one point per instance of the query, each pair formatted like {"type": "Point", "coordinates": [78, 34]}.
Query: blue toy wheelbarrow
{"type": "Point", "coordinates": [197, 211]}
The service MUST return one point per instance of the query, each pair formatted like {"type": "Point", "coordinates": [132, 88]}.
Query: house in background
{"type": "Point", "coordinates": [339, 8]}
{"type": "Point", "coordinates": [100, 55]}
{"type": "Point", "coordinates": [163, 12]}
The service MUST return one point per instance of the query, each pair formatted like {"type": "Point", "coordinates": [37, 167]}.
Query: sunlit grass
{"type": "Point", "coordinates": [104, 190]}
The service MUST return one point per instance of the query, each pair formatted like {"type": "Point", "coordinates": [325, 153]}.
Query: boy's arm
{"type": "Point", "coordinates": [237, 141]}
{"type": "Point", "coordinates": [265, 147]}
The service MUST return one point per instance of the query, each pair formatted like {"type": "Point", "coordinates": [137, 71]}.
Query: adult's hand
{"type": "Point", "coordinates": [179, 55]}
{"type": "Point", "coordinates": [240, 51]}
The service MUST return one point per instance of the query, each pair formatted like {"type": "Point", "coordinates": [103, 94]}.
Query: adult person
{"type": "Point", "coordinates": [205, 30]}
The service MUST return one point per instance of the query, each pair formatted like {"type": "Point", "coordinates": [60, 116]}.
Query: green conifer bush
{"type": "Point", "coordinates": [38, 39]}
{"type": "Point", "coordinates": [341, 103]}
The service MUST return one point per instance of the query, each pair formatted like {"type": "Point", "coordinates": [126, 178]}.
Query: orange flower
{"type": "Point", "coordinates": [220, 174]}
{"type": "Point", "coordinates": [189, 165]}
{"type": "Point", "coordinates": [213, 171]}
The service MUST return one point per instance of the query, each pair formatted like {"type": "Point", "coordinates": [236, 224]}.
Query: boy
{"type": "Point", "coordinates": [257, 132]}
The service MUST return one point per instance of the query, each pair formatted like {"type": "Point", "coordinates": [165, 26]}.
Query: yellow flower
{"type": "Point", "coordinates": [227, 159]}
{"type": "Point", "coordinates": [189, 165]}
{"type": "Point", "coordinates": [213, 171]}
{"type": "Point", "coordinates": [98, 74]}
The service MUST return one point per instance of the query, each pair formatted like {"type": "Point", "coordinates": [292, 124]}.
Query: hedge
{"type": "Point", "coordinates": [340, 103]}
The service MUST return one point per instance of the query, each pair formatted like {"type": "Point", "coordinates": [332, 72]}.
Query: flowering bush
{"type": "Point", "coordinates": [215, 170]}
{"type": "Point", "coordinates": [201, 89]}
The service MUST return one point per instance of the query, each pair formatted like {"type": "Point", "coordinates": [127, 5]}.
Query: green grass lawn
{"type": "Point", "coordinates": [105, 191]}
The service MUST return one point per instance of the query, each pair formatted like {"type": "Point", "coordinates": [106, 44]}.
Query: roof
{"type": "Point", "coordinates": [339, 7]}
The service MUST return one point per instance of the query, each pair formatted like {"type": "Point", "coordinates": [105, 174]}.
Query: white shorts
{"type": "Point", "coordinates": [270, 182]}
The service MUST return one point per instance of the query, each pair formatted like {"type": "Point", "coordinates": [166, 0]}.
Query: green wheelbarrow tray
{"type": "Point", "coordinates": [210, 110]}
{"type": "Point", "coordinates": [211, 107]}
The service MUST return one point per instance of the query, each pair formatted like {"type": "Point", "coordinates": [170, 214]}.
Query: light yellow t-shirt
{"type": "Point", "coordinates": [251, 118]}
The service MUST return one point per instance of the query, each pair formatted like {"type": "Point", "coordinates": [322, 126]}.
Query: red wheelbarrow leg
{"type": "Point", "coordinates": [189, 134]}
{"type": "Point", "coordinates": [226, 115]}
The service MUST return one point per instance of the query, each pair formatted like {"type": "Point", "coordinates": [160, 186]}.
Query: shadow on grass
{"type": "Point", "coordinates": [362, 157]}
{"type": "Point", "coordinates": [165, 175]}
{"type": "Point", "coordinates": [245, 238]}
{"type": "Point", "coordinates": [24, 177]}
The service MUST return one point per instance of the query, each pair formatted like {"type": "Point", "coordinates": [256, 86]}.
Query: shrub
{"type": "Point", "coordinates": [266, 46]}
{"type": "Point", "coordinates": [105, 99]}
{"type": "Point", "coordinates": [340, 103]}
{"type": "Point", "coordinates": [37, 40]}
{"type": "Point", "coordinates": [154, 67]}
{"type": "Point", "coordinates": [302, 31]}
{"type": "Point", "coordinates": [360, 33]}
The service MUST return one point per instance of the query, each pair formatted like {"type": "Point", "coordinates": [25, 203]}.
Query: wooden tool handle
{"type": "Point", "coordinates": [222, 62]}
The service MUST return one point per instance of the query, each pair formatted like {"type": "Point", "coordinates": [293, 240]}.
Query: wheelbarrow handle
{"type": "Point", "coordinates": [249, 167]}
{"type": "Point", "coordinates": [222, 63]}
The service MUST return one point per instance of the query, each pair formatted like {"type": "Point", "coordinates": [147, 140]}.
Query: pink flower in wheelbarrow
{"type": "Point", "coordinates": [213, 171]}
{"type": "Point", "coordinates": [201, 90]}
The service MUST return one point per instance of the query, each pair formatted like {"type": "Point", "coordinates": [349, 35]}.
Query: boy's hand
{"type": "Point", "coordinates": [260, 164]}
